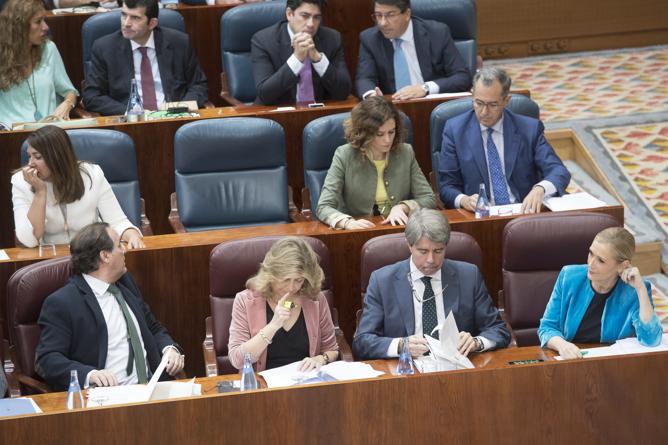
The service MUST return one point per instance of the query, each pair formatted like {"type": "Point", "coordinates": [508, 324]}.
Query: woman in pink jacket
{"type": "Point", "coordinates": [282, 317]}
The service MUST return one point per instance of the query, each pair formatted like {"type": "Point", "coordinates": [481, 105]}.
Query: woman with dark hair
{"type": "Point", "coordinates": [375, 173]}
{"type": "Point", "coordinates": [55, 195]}
{"type": "Point", "coordinates": [33, 81]}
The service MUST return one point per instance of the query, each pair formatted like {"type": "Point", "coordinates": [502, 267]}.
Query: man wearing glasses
{"type": "Point", "coordinates": [507, 152]}
{"type": "Point", "coordinates": [407, 56]}
{"type": "Point", "coordinates": [410, 298]}
{"type": "Point", "coordinates": [298, 60]}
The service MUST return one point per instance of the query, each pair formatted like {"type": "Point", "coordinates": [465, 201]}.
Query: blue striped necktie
{"type": "Point", "coordinates": [496, 176]}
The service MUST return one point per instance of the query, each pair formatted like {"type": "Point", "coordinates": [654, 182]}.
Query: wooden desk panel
{"type": "Point", "coordinates": [172, 272]}
{"type": "Point", "coordinates": [607, 400]}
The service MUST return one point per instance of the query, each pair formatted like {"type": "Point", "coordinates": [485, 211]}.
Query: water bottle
{"type": "Point", "coordinates": [135, 110]}
{"type": "Point", "coordinates": [482, 206]}
{"type": "Point", "coordinates": [405, 366]}
{"type": "Point", "coordinates": [74, 396]}
{"type": "Point", "coordinates": [248, 380]}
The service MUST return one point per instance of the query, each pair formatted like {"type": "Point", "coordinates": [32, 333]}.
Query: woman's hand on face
{"type": "Point", "coordinates": [133, 239]}
{"type": "Point", "coordinates": [30, 176]}
{"type": "Point", "coordinates": [310, 363]}
{"type": "Point", "coordinates": [631, 276]}
{"type": "Point", "coordinates": [353, 224]}
{"type": "Point", "coordinates": [398, 216]}
{"type": "Point", "coordinates": [569, 351]}
{"type": "Point", "coordinates": [281, 313]}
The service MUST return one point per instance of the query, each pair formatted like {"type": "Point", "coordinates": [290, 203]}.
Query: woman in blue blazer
{"type": "Point", "coordinates": [602, 301]}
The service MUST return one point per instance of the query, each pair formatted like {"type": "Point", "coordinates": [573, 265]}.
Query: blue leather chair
{"type": "Point", "coordinates": [230, 172]}
{"type": "Point", "coordinates": [519, 104]}
{"type": "Point", "coordinates": [320, 139]}
{"type": "Point", "coordinates": [114, 152]}
{"type": "Point", "coordinates": [460, 16]}
{"type": "Point", "coordinates": [237, 27]}
{"type": "Point", "coordinates": [100, 25]}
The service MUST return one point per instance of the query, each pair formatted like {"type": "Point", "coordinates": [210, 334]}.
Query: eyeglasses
{"type": "Point", "coordinates": [389, 16]}
{"type": "Point", "coordinates": [417, 298]}
{"type": "Point", "coordinates": [491, 105]}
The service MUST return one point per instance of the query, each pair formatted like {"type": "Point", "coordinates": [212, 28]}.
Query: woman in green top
{"type": "Point", "coordinates": [33, 81]}
{"type": "Point", "coordinates": [375, 173]}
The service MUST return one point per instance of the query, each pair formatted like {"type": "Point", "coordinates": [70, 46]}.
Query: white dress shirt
{"type": "Point", "coordinates": [296, 66]}
{"type": "Point", "coordinates": [497, 137]}
{"type": "Point", "coordinates": [118, 347]}
{"type": "Point", "coordinates": [155, 70]}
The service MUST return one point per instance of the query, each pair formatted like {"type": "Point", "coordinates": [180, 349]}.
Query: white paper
{"type": "Point", "coordinates": [506, 210]}
{"type": "Point", "coordinates": [447, 95]}
{"type": "Point", "coordinates": [574, 201]}
{"type": "Point", "coordinates": [343, 371]}
{"type": "Point", "coordinates": [284, 109]}
{"type": "Point", "coordinates": [170, 390]}
{"type": "Point", "coordinates": [429, 364]}
{"type": "Point", "coordinates": [3, 255]}
{"type": "Point", "coordinates": [289, 375]}
{"type": "Point", "coordinates": [446, 348]}
{"type": "Point", "coordinates": [624, 346]}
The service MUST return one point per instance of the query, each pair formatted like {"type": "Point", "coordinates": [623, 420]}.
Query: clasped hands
{"type": "Point", "coordinates": [303, 45]}
{"type": "Point", "coordinates": [418, 346]}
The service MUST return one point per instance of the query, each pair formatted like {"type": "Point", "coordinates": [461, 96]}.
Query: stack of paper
{"type": "Point", "coordinates": [446, 348]}
{"type": "Point", "coordinates": [18, 406]}
{"type": "Point", "coordinates": [574, 201]}
{"type": "Point", "coordinates": [624, 346]}
{"type": "Point", "coordinates": [289, 375]}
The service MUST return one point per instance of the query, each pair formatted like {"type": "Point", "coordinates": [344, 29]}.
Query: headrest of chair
{"type": "Point", "coordinates": [549, 241]}
{"type": "Point", "coordinates": [459, 15]}
{"type": "Point", "coordinates": [228, 144]}
{"type": "Point", "coordinates": [233, 262]}
{"type": "Point", "coordinates": [320, 139]}
{"type": "Point", "coordinates": [238, 24]}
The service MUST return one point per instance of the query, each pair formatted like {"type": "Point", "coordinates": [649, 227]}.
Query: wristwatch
{"type": "Point", "coordinates": [425, 87]}
{"type": "Point", "coordinates": [479, 345]}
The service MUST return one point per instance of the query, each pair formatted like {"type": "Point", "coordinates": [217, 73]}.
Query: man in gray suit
{"type": "Point", "coordinates": [411, 297]}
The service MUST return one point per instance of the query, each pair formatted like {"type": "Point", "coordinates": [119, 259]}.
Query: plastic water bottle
{"type": "Point", "coordinates": [482, 206]}
{"type": "Point", "coordinates": [405, 366]}
{"type": "Point", "coordinates": [248, 380]}
{"type": "Point", "coordinates": [74, 396]}
{"type": "Point", "coordinates": [135, 110]}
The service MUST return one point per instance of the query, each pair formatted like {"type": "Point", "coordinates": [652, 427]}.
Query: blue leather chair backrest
{"type": "Point", "coordinates": [100, 25]}
{"type": "Point", "coordinates": [519, 104]}
{"type": "Point", "coordinates": [320, 138]}
{"type": "Point", "coordinates": [237, 27]}
{"type": "Point", "coordinates": [114, 152]}
{"type": "Point", "coordinates": [460, 16]}
{"type": "Point", "coordinates": [230, 172]}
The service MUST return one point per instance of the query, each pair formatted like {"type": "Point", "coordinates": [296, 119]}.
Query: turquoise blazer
{"type": "Point", "coordinates": [570, 299]}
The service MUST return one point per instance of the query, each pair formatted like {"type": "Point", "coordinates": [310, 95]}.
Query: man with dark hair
{"type": "Point", "coordinates": [297, 60]}
{"type": "Point", "coordinates": [160, 59]}
{"type": "Point", "coordinates": [98, 323]}
{"type": "Point", "coordinates": [507, 152]}
{"type": "Point", "coordinates": [408, 56]}
{"type": "Point", "coordinates": [410, 298]}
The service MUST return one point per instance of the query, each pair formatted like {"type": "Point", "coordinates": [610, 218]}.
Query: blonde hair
{"type": "Point", "coordinates": [291, 255]}
{"type": "Point", "coordinates": [620, 240]}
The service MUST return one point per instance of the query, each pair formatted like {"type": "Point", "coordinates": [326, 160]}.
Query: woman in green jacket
{"type": "Point", "coordinates": [375, 173]}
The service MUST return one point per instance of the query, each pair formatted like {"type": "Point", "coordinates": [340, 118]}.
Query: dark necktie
{"type": "Point", "coordinates": [147, 83]}
{"type": "Point", "coordinates": [136, 356]}
{"type": "Point", "coordinates": [429, 317]}
{"type": "Point", "coordinates": [497, 178]}
{"type": "Point", "coordinates": [305, 87]}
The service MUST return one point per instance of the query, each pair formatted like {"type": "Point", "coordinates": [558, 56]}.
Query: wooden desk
{"type": "Point", "coordinates": [604, 400]}
{"type": "Point", "coordinates": [172, 272]}
{"type": "Point", "coordinates": [155, 153]}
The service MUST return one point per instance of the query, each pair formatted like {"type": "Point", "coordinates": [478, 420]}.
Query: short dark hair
{"type": "Point", "coordinates": [151, 6]}
{"type": "Point", "coordinates": [401, 4]}
{"type": "Point", "coordinates": [294, 4]}
{"type": "Point", "coordinates": [86, 246]}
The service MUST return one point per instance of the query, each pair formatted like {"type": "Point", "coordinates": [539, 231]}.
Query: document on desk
{"type": "Point", "coordinates": [446, 348]}
{"type": "Point", "coordinates": [574, 201]}
{"type": "Point", "coordinates": [624, 346]}
{"type": "Point", "coordinates": [506, 210]}
{"type": "Point", "coordinates": [18, 406]}
{"type": "Point", "coordinates": [3, 255]}
{"type": "Point", "coordinates": [289, 375]}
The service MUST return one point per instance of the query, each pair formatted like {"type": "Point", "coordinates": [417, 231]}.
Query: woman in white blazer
{"type": "Point", "coordinates": [55, 195]}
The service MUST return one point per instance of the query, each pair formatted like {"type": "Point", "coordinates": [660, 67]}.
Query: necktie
{"type": "Point", "coordinates": [429, 318]}
{"type": "Point", "coordinates": [305, 87]}
{"type": "Point", "coordinates": [136, 356]}
{"type": "Point", "coordinates": [497, 178]}
{"type": "Point", "coordinates": [147, 83]}
{"type": "Point", "coordinates": [402, 77]}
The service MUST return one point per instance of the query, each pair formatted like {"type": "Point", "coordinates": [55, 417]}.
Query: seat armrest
{"type": "Point", "coordinates": [16, 378]}
{"type": "Point", "coordinates": [293, 211]}
{"type": "Point", "coordinates": [307, 212]}
{"type": "Point", "coordinates": [434, 188]}
{"type": "Point", "coordinates": [210, 362]}
{"type": "Point", "coordinates": [145, 223]}
{"type": "Point", "coordinates": [504, 317]}
{"type": "Point", "coordinates": [174, 218]}
{"type": "Point", "coordinates": [225, 92]}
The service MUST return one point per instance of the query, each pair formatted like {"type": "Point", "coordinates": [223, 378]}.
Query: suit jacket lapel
{"type": "Point", "coordinates": [403, 294]}
{"type": "Point", "coordinates": [422, 49]}
{"type": "Point", "coordinates": [475, 145]}
{"type": "Point", "coordinates": [450, 290]}
{"type": "Point", "coordinates": [511, 146]}
{"type": "Point", "coordinates": [125, 50]}
{"type": "Point", "coordinates": [92, 304]}
{"type": "Point", "coordinates": [388, 50]}
{"type": "Point", "coordinates": [165, 56]}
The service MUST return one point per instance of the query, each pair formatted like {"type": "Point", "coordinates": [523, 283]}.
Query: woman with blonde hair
{"type": "Point", "coordinates": [33, 81]}
{"type": "Point", "coordinates": [376, 173]}
{"type": "Point", "coordinates": [601, 301]}
{"type": "Point", "coordinates": [282, 316]}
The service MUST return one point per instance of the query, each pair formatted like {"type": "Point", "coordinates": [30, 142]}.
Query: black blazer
{"type": "Point", "coordinates": [439, 59]}
{"type": "Point", "coordinates": [74, 333]}
{"type": "Point", "coordinates": [108, 81]}
{"type": "Point", "coordinates": [274, 80]}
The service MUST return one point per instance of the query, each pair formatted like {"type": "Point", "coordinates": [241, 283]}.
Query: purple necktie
{"type": "Point", "coordinates": [305, 87]}
{"type": "Point", "coordinates": [147, 83]}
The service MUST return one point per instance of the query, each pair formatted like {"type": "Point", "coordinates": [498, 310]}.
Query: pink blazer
{"type": "Point", "coordinates": [249, 315]}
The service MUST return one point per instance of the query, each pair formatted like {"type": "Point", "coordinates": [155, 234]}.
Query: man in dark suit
{"type": "Point", "coordinates": [410, 298]}
{"type": "Point", "coordinates": [408, 56]}
{"type": "Point", "coordinates": [98, 323]}
{"type": "Point", "coordinates": [298, 60]}
{"type": "Point", "coordinates": [507, 152]}
{"type": "Point", "coordinates": [160, 59]}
